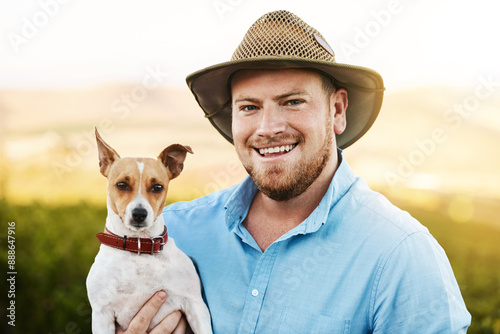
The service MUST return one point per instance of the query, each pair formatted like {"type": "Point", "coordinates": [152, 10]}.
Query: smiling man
{"type": "Point", "coordinates": [283, 125]}
{"type": "Point", "coordinates": [302, 245]}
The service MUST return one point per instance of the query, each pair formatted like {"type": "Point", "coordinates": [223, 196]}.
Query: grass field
{"type": "Point", "coordinates": [55, 247]}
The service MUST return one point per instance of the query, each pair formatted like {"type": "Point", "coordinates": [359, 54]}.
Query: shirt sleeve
{"type": "Point", "coordinates": [416, 291]}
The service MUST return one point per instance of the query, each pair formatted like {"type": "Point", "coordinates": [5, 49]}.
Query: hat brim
{"type": "Point", "coordinates": [364, 86]}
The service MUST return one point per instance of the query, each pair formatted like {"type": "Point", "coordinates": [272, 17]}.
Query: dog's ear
{"type": "Point", "coordinates": [106, 154]}
{"type": "Point", "coordinates": [173, 158]}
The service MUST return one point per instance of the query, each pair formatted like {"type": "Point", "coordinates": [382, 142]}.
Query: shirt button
{"type": "Point", "coordinates": [255, 292]}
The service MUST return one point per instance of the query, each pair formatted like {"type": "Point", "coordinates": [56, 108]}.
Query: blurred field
{"type": "Point", "coordinates": [48, 152]}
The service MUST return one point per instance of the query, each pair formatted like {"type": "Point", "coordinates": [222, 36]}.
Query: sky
{"type": "Point", "coordinates": [72, 43]}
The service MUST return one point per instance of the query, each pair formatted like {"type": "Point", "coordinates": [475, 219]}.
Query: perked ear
{"type": "Point", "coordinates": [173, 158]}
{"type": "Point", "coordinates": [107, 156]}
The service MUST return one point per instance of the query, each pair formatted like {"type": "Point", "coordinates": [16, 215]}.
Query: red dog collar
{"type": "Point", "coordinates": [136, 245]}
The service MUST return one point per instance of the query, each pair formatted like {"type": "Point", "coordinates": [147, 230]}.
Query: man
{"type": "Point", "coordinates": [302, 245]}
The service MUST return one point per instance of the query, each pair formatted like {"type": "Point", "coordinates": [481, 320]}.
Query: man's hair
{"type": "Point", "coordinates": [328, 83]}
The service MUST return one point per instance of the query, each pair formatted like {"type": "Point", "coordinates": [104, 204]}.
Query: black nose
{"type": "Point", "coordinates": [139, 214]}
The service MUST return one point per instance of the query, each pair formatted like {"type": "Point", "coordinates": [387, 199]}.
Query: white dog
{"type": "Point", "coordinates": [136, 257]}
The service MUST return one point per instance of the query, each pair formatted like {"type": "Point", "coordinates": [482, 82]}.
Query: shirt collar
{"type": "Point", "coordinates": [239, 202]}
{"type": "Point", "coordinates": [341, 182]}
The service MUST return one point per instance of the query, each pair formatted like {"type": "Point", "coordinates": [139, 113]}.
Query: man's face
{"type": "Point", "coordinates": [283, 128]}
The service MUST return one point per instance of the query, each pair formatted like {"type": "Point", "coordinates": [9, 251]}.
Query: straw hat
{"type": "Point", "coordinates": [279, 40]}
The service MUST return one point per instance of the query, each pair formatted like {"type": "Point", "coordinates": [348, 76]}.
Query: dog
{"type": "Point", "coordinates": [136, 257]}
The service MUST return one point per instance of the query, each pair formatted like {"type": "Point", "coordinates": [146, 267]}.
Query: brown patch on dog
{"type": "Point", "coordinates": [126, 181]}
{"type": "Point", "coordinates": [126, 171]}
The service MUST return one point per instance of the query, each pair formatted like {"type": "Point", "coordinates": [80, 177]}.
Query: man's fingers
{"type": "Point", "coordinates": [140, 323]}
{"type": "Point", "coordinates": [169, 324]}
{"type": "Point", "coordinates": [183, 327]}
{"type": "Point", "coordinates": [173, 323]}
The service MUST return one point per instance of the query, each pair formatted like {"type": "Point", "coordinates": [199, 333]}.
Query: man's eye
{"type": "Point", "coordinates": [294, 102]}
{"type": "Point", "coordinates": [157, 188]}
{"type": "Point", "coordinates": [122, 186]}
{"type": "Point", "coordinates": [248, 108]}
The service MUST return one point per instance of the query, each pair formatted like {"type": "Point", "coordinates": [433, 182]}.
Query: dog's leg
{"type": "Point", "coordinates": [198, 317]}
{"type": "Point", "coordinates": [102, 322]}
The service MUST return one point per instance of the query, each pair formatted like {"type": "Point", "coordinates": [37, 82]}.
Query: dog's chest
{"type": "Point", "coordinates": [128, 272]}
{"type": "Point", "coordinates": [122, 281]}
{"type": "Point", "coordinates": [121, 272]}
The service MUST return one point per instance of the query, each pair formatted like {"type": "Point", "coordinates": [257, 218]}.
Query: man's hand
{"type": "Point", "coordinates": [174, 323]}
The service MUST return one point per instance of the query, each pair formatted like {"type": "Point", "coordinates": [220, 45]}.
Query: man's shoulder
{"type": "Point", "coordinates": [380, 211]}
{"type": "Point", "coordinates": [377, 228]}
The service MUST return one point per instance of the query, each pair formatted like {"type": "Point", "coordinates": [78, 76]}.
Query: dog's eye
{"type": "Point", "coordinates": [157, 188]}
{"type": "Point", "coordinates": [122, 186]}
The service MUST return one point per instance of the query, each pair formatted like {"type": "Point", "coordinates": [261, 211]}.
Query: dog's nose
{"type": "Point", "coordinates": [139, 214]}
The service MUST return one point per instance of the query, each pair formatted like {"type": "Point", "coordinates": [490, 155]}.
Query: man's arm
{"type": "Point", "coordinates": [174, 323]}
{"type": "Point", "coordinates": [417, 291]}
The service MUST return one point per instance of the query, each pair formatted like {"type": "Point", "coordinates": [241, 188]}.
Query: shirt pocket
{"type": "Point", "coordinates": [294, 321]}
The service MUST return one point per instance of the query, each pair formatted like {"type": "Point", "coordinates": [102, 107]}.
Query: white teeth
{"type": "Point", "coordinates": [276, 149]}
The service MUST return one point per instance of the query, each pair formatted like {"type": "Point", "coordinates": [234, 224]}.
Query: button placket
{"type": "Point", "coordinates": [257, 289]}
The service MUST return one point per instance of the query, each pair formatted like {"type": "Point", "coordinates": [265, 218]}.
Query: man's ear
{"type": "Point", "coordinates": [338, 105]}
{"type": "Point", "coordinates": [107, 156]}
{"type": "Point", "coordinates": [173, 158]}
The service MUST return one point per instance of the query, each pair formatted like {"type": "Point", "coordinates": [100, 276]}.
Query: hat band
{"type": "Point", "coordinates": [224, 106]}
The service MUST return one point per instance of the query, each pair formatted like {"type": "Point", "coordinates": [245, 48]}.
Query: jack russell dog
{"type": "Point", "coordinates": [136, 256]}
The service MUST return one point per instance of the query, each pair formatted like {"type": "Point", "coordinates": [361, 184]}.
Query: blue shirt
{"type": "Point", "coordinates": [357, 264]}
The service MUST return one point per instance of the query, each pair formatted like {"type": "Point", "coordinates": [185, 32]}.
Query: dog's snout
{"type": "Point", "coordinates": [139, 215]}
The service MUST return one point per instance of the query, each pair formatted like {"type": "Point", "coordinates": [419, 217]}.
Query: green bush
{"type": "Point", "coordinates": [56, 245]}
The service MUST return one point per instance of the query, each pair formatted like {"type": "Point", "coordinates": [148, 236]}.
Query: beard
{"type": "Point", "coordinates": [285, 181]}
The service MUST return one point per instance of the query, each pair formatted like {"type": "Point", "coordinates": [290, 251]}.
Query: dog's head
{"type": "Point", "coordinates": [137, 187]}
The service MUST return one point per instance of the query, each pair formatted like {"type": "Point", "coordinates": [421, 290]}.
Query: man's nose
{"type": "Point", "coordinates": [271, 122]}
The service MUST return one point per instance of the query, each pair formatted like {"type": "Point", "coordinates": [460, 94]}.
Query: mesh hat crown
{"type": "Point", "coordinates": [280, 40]}
{"type": "Point", "coordinates": [282, 33]}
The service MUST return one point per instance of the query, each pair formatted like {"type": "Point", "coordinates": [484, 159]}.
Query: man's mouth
{"type": "Point", "coordinates": [276, 149]}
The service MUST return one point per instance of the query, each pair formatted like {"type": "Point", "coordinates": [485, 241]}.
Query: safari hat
{"type": "Point", "coordinates": [280, 40]}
